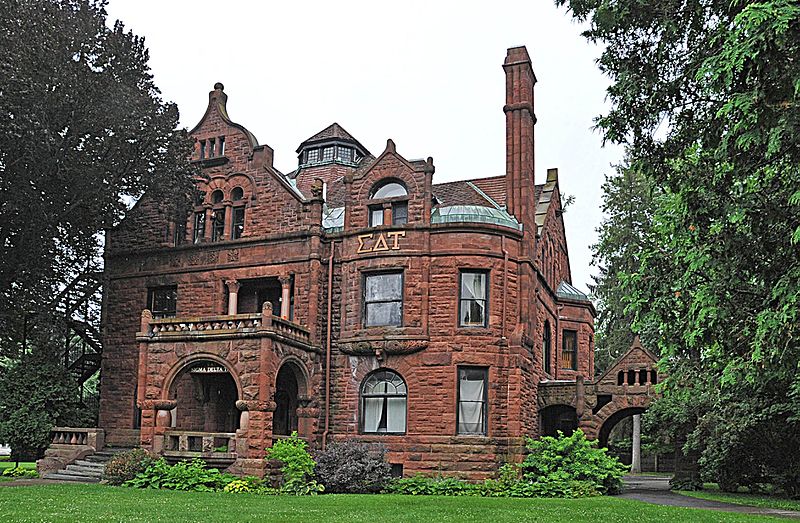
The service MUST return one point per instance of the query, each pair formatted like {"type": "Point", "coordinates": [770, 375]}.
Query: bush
{"type": "Point", "coordinates": [420, 485]}
{"type": "Point", "coordinates": [19, 472]}
{"type": "Point", "coordinates": [184, 475]}
{"type": "Point", "coordinates": [352, 467]}
{"type": "Point", "coordinates": [126, 465]}
{"type": "Point", "coordinates": [554, 464]}
{"type": "Point", "coordinates": [298, 466]}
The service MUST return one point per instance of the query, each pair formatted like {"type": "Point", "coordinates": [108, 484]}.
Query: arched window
{"type": "Point", "coordinates": [547, 340]}
{"type": "Point", "coordinates": [237, 194]}
{"type": "Point", "coordinates": [217, 197]}
{"type": "Point", "coordinates": [383, 403]}
{"type": "Point", "coordinates": [385, 190]}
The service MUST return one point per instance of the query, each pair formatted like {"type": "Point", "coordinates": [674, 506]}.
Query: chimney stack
{"type": "Point", "coordinates": [520, 120]}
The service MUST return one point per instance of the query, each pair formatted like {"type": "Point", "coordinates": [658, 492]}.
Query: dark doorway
{"type": "Point", "coordinates": [558, 417]}
{"type": "Point", "coordinates": [206, 399]}
{"type": "Point", "coordinates": [255, 292]}
{"type": "Point", "coordinates": [284, 422]}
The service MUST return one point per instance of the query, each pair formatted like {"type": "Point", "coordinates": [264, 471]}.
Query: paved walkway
{"type": "Point", "coordinates": [655, 489]}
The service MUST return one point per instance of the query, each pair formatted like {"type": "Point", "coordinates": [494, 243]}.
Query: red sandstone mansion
{"type": "Point", "coordinates": [351, 298]}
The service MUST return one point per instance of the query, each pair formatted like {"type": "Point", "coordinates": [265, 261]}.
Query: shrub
{"type": "Point", "coordinates": [298, 466]}
{"type": "Point", "coordinates": [420, 485]}
{"type": "Point", "coordinates": [184, 475]}
{"type": "Point", "coordinates": [238, 485]}
{"type": "Point", "coordinates": [126, 465]}
{"type": "Point", "coordinates": [19, 472]}
{"type": "Point", "coordinates": [555, 463]}
{"type": "Point", "coordinates": [352, 467]}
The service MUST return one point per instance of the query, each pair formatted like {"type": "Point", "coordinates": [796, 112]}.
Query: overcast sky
{"type": "Point", "coordinates": [425, 73]}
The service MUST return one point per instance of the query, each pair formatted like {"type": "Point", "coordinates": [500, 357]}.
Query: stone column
{"type": "Point", "coordinates": [636, 451]}
{"type": "Point", "coordinates": [226, 230]}
{"type": "Point", "coordinates": [207, 223]}
{"type": "Point", "coordinates": [233, 296]}
{"type": "Point", "coordinates": [285, 298]}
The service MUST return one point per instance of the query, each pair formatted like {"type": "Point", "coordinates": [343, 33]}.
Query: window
{"type": "Point", "coordinates": [547, 342]}
{"type": "Point", "coordinates": [211, 145]}
{"type": "Point", "coordinates": [399, 213]}
{"type": "Point", "coordinates": [473, 299]}
{"type": "Point", "coordinates": [202, 149]}
{"type": "Point", "coordinates": [569, 350]}
{"type": "Point", "coordinates": [389, 189]}
{"type": "Point", "coordinates": [237, 224]}
{"type": "Point", "coordinates": [375, 215]}
{"type": "Point", "coordinates": [472, 399]}
{"type": "Point", "coordinates": [383, 299]}
{"type": "Point", "coordinates": [222, 146]}
{"type": "Point", "coordinates": [199, 226]}
{"type": "Point", "coordinates": [312, 155]}
{"type": "Point", "coordinates": [383, 403]}
{"type": "Point", "coordinates": [162, 301]}
{"type": "Point", "coordinates": [237, 194]}
{"type": "Point", "coordinates": [344, 154]}
{"type": "Point", "coordinates": [218, 225]}
{"type": "Point", "coordinates": [217, 197]}
{"type": "Point", "coordinates": [327, 153]}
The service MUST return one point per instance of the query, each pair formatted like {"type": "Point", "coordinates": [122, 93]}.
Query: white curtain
{"type": "Point", "coordinates": [373, 408]}
{"type": "Point", "coordinates": [396, 415]}
{"type": "Point", "coordinates": [470, 411]}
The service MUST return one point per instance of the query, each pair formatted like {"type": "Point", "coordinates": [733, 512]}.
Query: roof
{"type": "Point", "coordinates": [494, 187]}
{"type": "Point", "coordinates": [565, 290]}
{"type": "Point", "coordinates": [334, 132]}
{"type": "Point", "coordinates": [461, 192]}
{"type": "Point", "coordinates": [474, 214]}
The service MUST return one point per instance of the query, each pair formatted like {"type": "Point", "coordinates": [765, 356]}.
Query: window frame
{"type": "Point", "coordinates": [364, 303]}
{"type": "Point", "coordinates": [218, 231]}
{"type": "Point", "coordinates": [362, 397]}
{"type": "Point", "coordinates": [485, 400]}
{"type": "Point", "coordinates": [395, 206]}
{"type": "Point", "coordinates": [151, 295]}
{"type": "Point", "coordinates": [565, 334]}
{"type": "Point", "coordinates": [486, 273]}
{"type": "Point", "coordinates": [234, 210]}
{"type": "Point", "coordinates": [547, 347]}
{"type": "Point", "coordinates": [375, 209]}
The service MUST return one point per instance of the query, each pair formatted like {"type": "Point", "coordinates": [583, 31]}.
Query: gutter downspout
{"type": "Point", "coordinates": [328, 348]}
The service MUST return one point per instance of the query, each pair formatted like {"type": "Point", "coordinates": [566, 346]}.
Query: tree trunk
{"type": "Point", "coordinates": [636, 451]}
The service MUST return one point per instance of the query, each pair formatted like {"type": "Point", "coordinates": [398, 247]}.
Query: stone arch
{"type": "Point", "coordinates": [608, 424]}
{"type": "Point", "coordinates": [290, 394]}
{"type": "Point", "coordinates": [183, 363]}
{"type": "Point", "coordinates": [246, 182]}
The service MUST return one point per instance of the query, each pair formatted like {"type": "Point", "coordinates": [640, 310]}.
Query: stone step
{"type": "Point", "coordinates": [93, 464]}
{"type": "Point", "coordinates": [86, 471]}
{"type": "Point", "coordinates": [64, 476]}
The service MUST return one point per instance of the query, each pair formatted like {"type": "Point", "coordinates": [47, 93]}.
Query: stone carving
{"type": "Point", "coordinates": [386, 347]}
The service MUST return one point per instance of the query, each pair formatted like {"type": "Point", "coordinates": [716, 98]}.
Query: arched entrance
{"type": "Point", "coordinates": [289, 386]}
{"type": "Point", "coordinates": [205, 395]}
{"type": "Point", "coordinates": [610, 422]}
{"type": "Point", "coordinates": [558, 417]}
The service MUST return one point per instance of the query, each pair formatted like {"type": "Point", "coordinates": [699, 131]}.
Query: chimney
{"type": "Point", "coordinates": [519, 137]}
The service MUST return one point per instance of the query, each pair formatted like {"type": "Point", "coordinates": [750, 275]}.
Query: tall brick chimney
{"type": "Point", "coordinates": [519, 137]}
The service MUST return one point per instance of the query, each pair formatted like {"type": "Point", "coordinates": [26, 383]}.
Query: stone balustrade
{"type": "Point", "coordinates": [89, 437]}
{"type": "Point", "coordinates": [290, 329]}
{"type": "Point", "coordinates": [186, 444]}
{"type": "Point", "coordinates": [210, 324]}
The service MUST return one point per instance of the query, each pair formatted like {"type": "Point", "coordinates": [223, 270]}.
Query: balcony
{"type": "Point", "coordinates": [198, 329]}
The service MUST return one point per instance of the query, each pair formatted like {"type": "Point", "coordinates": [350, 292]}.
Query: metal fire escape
{"type": "Point", "coordinates": [79, 305]}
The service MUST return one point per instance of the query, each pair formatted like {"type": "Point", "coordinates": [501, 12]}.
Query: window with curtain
{"type": "Point", "coordinates": [569, 350]}
{"type": "Point", "coordinates": [383, 403]}
{"type": "Point", "coordinates": [472, 400]}
{"type": "Point", "coordinates": [473, 299]}
{"type": "Point", "coordinates": [383, 299]}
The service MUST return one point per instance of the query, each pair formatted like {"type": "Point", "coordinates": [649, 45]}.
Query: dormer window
{"type": "Point", "coordinates": [395, 210]}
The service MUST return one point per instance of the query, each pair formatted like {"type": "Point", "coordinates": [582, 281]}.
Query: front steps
{"type": "Point", "coordinates": [87, 470]}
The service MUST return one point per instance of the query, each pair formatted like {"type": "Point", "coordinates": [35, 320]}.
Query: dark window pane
{"type": "Point", "coordinates": [199, 226]}
{"type": "Point", "coordinates": [546, 346]}
{"type": "Point", "coordinates": [400, 213]}
{"type": "Point", "coordinates": [216, 196]}
{"type": "Point", "coordinates": [237, 194]}
{"type": "Point", "coordinates": [237, 227]}
{"type": "Point", "coordinates": [162, 301]}
{"type": "Point", "coordinates": [218, 225]}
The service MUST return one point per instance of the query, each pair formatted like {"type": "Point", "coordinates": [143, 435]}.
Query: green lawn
{"type": "Point", "coordinates": [5, 464]}
{"type": "Point", "coordinates": [70, 503]}
{"type": "Point", "coordinates": [712, 492]}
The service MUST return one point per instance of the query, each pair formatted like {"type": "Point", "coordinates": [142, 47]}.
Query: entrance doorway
{"type": "Point", "coordinates": [206, 396]}
{"type": "Point", "coordinates": [287, 399]}
{"type": "Point", "coordinates": [558, 418]}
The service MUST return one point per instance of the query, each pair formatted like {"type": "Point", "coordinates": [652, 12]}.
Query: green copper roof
{"type": "Point", "coordinates": [474, 214]}
{"type": "Point", "coordinates": [565, 290]}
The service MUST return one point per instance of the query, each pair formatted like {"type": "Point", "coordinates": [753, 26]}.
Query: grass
{"type": "Point", "coordinates": [70, 503]}
{"type": "Point", "coordinates": [711, 491]}
{"type": "Point", "coordinates": [5, 464]}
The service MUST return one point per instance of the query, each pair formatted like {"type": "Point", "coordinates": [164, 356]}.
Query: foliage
{"type": "Point", "coordinates": [184, 475]}
{"type": "Point", "coordinates": [238, 485]}
{"type": "Point", "coordinates": [352, 467]}
{"type": "Point", "coordinates": [420, 485]}
{"type": "Point", "coordinates": [20, 472]}
{"type": "Point", "coordinates": [705, 96]}
{"type": "Point", "coordinates": [297, 468]}
{"type": "Point", "coordinates": [99, 503]}
{"type": "Point", "coordinates": [565, 459]}
{"type": "Point", "coordinates": [84, 133]}
{"type": "Point", "coordinates": [36, 394]}
{"type": "Point", "coordinates": [126, 466]}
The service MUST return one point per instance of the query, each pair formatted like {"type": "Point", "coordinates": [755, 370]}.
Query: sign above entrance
{"type": "Point", "coordinates": [389, 241]}
{"type": "Point", "coordinates": [208, 369]}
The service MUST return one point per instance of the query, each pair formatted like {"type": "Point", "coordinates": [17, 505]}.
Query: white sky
{"type": "Point", "coordinates": [426, 74]}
